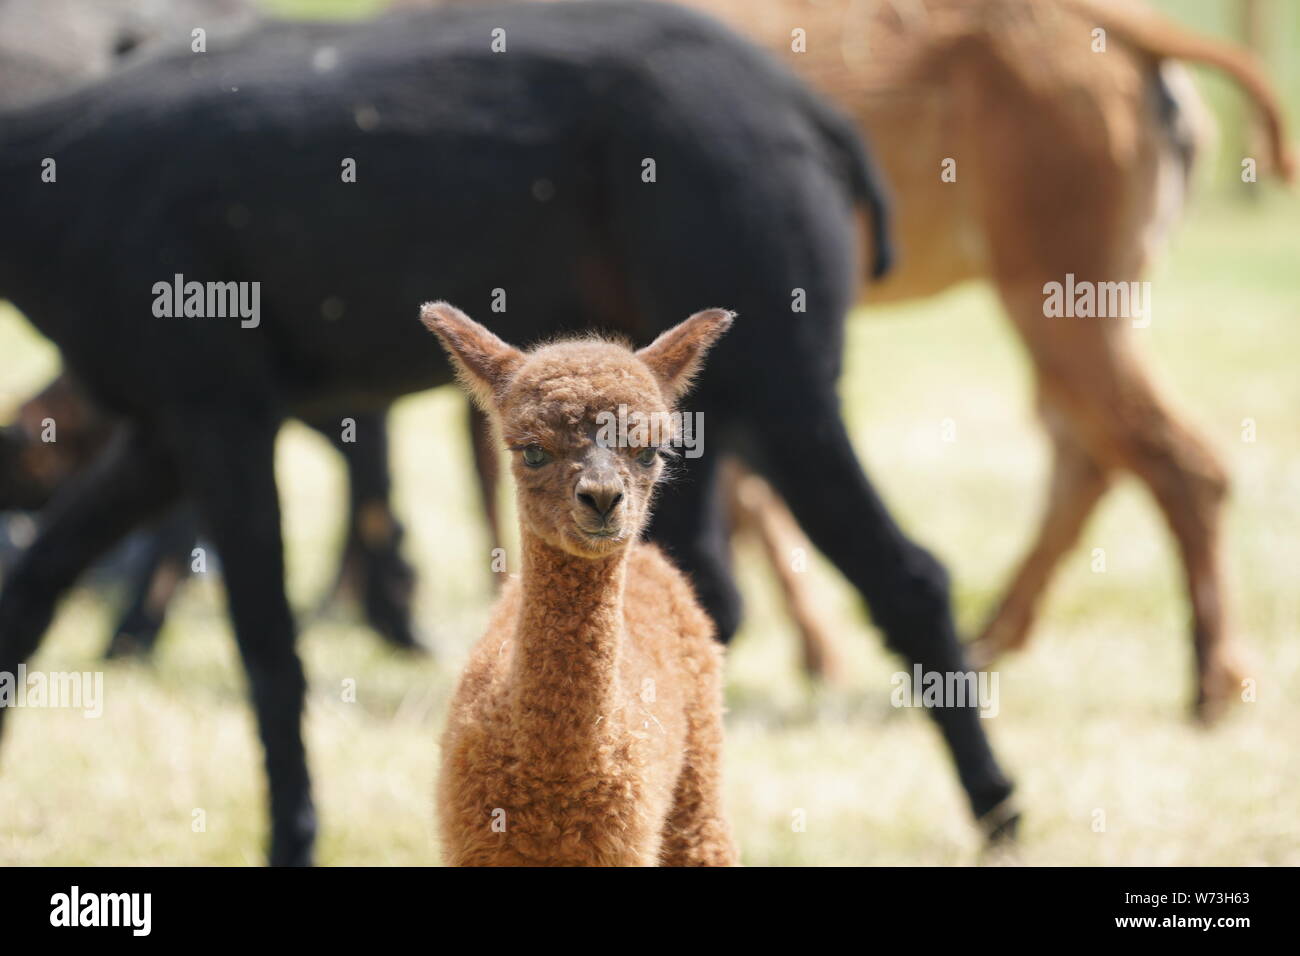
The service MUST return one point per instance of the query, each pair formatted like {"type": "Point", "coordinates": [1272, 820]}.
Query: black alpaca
{"type": "Point", "coordinates": [618, 165]}
{"type": "Point", "coordinates": [371, 568]}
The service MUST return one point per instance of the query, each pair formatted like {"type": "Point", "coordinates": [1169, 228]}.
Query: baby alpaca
{"type": "Point", "coordinates": [587, 727]}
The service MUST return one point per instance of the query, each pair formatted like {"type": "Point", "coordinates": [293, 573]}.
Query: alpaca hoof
{"type": "Point", "coordinates": [398, 634]}
{"type": "Point", "coordinates": [982, 653]}
{"type": "Point", "coordinates": [303, 859]}
{"type": "Point", "coordinates": [1006, 632]}
{"type": "Point", "coordinates": [823, 669]}
{"type": "Point", "coordinates": [404, 639]}
{"type": "Point", "coordinates": [294, 849]}
{"type": "Point", "coordinates": [415, 647]}
{"type": "Point", "coordinates": [1210, 708]}
{"type": "Point", "coordinates": [1219, 688]}
{"type": "Point", "coordinates": [1001, 825]}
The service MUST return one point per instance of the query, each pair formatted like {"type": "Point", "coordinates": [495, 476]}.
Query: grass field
{"type": "Point", "coordinates": [1093, 717]}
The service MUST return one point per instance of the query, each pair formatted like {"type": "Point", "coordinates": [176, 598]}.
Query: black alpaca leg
{"type": "Point", "coordinates": [689, 522]}
{"type": "Point", "coordinates": [129, 482]}
{"type": "Point", "coordinates": [811, 462]}
{"type": "Point", "coordinates": [154, 581]}
{"type": "Point", "coordinates": [372, 555]}
{"type": "Point", "coordinates": [786, 259]}
{"type": "Point", "coordinates": [231, 469]}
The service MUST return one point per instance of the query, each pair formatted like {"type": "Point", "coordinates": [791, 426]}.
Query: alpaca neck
{"type": "Point", "coordinates": [568, 638]}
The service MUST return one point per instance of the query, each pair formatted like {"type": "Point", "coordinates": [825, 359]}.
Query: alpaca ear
{"type": "Point", "coordinates": [676, 356]}
{"type": "Point", "coordinates": [483, 362]}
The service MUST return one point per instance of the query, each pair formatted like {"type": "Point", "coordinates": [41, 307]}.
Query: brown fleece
{"type": "Point", "coordinates": [587, 727]}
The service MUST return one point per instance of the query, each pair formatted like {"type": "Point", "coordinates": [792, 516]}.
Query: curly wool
{"type": "Point", "coordinates": [587, 727]}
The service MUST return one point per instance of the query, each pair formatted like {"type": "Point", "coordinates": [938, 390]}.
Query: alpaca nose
{"type": "Point", "coordinates": [602, 498]}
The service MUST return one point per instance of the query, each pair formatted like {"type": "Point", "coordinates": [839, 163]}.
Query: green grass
{"type": "Point", "coordinates": [1093, 717]}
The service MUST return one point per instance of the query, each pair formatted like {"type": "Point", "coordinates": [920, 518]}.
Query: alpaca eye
{"type": "Point", "coordinates": [535, 456]}
{"type": "Point", "coordinates": [647, 456]}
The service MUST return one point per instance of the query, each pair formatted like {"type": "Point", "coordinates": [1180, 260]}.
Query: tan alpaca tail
{"type": "Point", "coordinates": [1161, 38]}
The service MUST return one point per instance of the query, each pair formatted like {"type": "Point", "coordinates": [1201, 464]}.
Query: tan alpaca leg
{"type": "Point", "coordinates": [1190, 485]}
{"type": "Point", "coordinates": [1105, 392]}
{"type": "Point", "coordinates": [1077, 484]}
{"type": "Point", "coordinates": [697, 833]}
{"type": "Point", "coordinates": [758, 511]}
{"type": "Point", "coordinates": [1028, 142]}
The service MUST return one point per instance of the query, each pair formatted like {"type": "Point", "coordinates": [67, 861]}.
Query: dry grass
{"type": "Point", "coordinates": [1092, 718]}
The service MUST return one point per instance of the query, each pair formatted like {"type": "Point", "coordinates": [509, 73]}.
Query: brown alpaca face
{"type": "Point", "coordinates": [585, 485]}
{"type": "Point", "coordinates": [579, 488]}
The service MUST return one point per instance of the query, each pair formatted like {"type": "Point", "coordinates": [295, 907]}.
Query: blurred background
{"type": "Point", "coordinates": [1094, 716]}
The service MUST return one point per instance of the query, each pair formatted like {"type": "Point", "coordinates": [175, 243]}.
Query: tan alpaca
{"type": "Point", "coordinates": [587, 727]}
{"type": "Point", "coordinates": [1063, 165]}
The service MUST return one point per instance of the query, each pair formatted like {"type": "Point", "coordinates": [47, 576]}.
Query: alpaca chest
{"type": "Point", "coordinates": [627, 758]}
{"type": "Point", "coordinates": [526, 799]}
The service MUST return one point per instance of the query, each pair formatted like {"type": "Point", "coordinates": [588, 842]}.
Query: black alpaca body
{"type": "Point", "coordinates": [477, 173]}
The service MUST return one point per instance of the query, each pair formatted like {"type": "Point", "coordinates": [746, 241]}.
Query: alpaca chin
{"type": "Point", "coordinates": [581, 543]}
